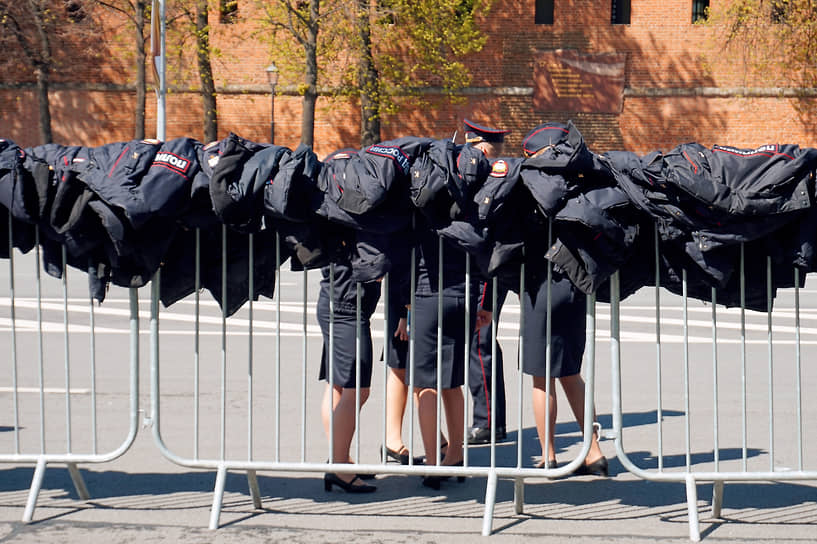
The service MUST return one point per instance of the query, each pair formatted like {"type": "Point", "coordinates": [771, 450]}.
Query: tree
{"type": "Point", "coordinates": [379, 51]}
{"type": "Point", "coordinates": [407, 45]}
{"type": "Point", "coordinates": [208, 87]}
{"type": "Point", "coordinates": [136, 12]}
{"type": "Point", "coordinates": [774, 42]}
{"type": "Point", "coordinates": [41, 31]}
{"type": "Point", "coordinates": [190, 20]}
{"type": "Point", "coordinates": [299, 23]}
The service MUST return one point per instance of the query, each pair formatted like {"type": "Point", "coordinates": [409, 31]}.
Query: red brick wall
{"type": "Point", "coordinates": [668, 98]}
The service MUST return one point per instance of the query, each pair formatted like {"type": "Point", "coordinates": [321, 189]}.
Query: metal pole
{"type": "Point", "coordinates": [161, 97]}
{"type": "Point", "coordinates": [272, 116]}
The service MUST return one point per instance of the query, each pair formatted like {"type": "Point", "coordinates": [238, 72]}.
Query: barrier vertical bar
{"type": "Point", "coordinates": [744, 413]}
{"type": "Point", "coordinates": [411, 329]}
{"type": "Point", "coordinates": [196, 341]}
{"type": "Point", "coordinates": [548, 346]}
{"type": "Point", "coordinates": [715, 377]}
{"type": "Point", "coordinates": [658, 366]}
{"type": "Point", "coordinates": [615, 360]}
{"type": "Point", "coordinates": [303, 358]}
{"type": "Point", "coordinates": [13, 337]}
{"type": "Point", "coordinates": [771, 360]}
{"type": "Point", "coordinates": [798, 368]}
{"type": "Point", "coordinates": [252, 479]}
{"type": "Point", "coordinates": [40, 351]}
{"type": "Point", "coordinates": [466, 413]}
{"type": "Point", "coordinates": [250, 296]}
{"type": "Point", "coordinates": [494, 325]}
{"type": "Point", "coordinates": [519, 359]}
{"type": "Point", "coordinates": [519, 483]}
{"type": "Point", "coordinates": [386, 350]}
{"type": "Point", "coordinates": [358, 331]}
{"type": "Point", "coordinates": [686, 371]}
{"type": "Point", "coordinates": [67, 365]}
{"type": "Point", "coordinates": [223, 369]}
{"type": "Point", "coordinates": [440, 287]}
{"type": "Point", "coordinates": [92, 362]}
{"type": "Point", "coordinates": [331, 365]}
{"type": "Point", "coordinates": [278, 349]}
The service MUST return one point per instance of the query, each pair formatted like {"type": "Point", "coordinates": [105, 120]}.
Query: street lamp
{"type": "Point", "coordinates": [272, 79]}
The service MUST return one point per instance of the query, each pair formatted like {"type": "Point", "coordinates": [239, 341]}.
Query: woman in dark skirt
{"type": "Point", "coordinates": [340, 394]}
{"type": "Point", "coordinates": [396, 358]}
{"type": "Point", "coordinates": [567, 339]}
{"type": "Point", "coordinates": [449, 359]}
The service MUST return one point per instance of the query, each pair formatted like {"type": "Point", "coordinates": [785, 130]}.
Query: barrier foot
{"type": "Point", "coordinates": [490, 501]}
{"type": "Point", "coordinates": [692, 509]}
{"type": "Point", "coordinates": [218, 497]}
{"type": "Point", "coordinates": [255, 493]}
{"type": "Point", "coordinates": [717, 499]}
{"type": "Point", "coordinates": [79, 482]}
{"type": "Point", "coordinates": [519, 495]}
{"type": "Point", "coordinates": [34, 490]}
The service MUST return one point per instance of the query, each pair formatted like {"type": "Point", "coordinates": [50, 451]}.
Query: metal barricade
{"type": "Point", "coordinates": [51, 375]}
{"type": "Point", "coordinates": [210, 387]}
{"type": "Point", "coordinates": [728, 403]}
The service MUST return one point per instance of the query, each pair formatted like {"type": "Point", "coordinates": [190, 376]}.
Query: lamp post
{"type": "Point", "coordinates": [272, 79]}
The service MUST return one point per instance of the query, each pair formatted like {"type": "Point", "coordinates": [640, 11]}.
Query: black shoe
{"type": "Point", "coordinates": [330, 479]}
{"type": "Point", "coordinates": [367, 476]}
{"type": "Point", "coordinates": [434, 481]}
{"type": "Point", "coordinates": [598, 467]}
{"type": "Point", "coordinates": [482, 435]}
{"type": "Point", "coordinates": [550, 464]}
{"type": "Point", "coordinates": [402, 458]}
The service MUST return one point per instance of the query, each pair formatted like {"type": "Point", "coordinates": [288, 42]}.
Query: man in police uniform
{"type": "Point", "coordinates": [490, 141]}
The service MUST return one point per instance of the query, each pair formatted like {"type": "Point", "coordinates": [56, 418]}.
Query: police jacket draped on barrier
{"type": "Point", "coordinates": [123, 211]}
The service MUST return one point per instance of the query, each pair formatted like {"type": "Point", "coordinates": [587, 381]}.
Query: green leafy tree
{"type": "Point", "coordinates": [295, 34]}
{"type": "Point", "coordinates": [189, 20]}
{"type": "Point", "coordinates": [774, 42]}
{"type": "Point", "coordinates": [405, 46]}
{"type": "Point", "coordinates": [385, 53]}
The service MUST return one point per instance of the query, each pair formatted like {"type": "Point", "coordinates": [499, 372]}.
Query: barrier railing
{"type": "Point", "coordinates": [715, 378]}
{"type": "Point", "coordinates": [222, 366]}
{"type": "Point", "coordinates": [239, 393]}
{"type": "Point", "coordinates": [49, 384]}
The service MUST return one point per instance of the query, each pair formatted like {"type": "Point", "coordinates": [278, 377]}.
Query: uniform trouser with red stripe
{"type": "Point", "coordinates": [479, 373]}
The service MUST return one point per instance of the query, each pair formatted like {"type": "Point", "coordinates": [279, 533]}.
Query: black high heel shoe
{"type": "Point", "coordinates": [549, 464]}
{"type": "Point", "coordinates": [434, 481]}
{"type": "Point", "coordinates": [387, 453]}
{"type": "Point", "coordinates": [330, 479]}
{"type": "Point", "coordinates": [599, 467]}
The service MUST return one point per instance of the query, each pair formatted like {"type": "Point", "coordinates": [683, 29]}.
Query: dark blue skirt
{"type": "Point", "coordinates": [424, 317]}
{"type": "Point", "coordinates": [344, 360]}
{"type": "Point", "coordinates": [567, 328]}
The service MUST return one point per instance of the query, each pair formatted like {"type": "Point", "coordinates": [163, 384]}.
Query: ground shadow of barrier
{"type": "Point", "coordinates": [571, 499]}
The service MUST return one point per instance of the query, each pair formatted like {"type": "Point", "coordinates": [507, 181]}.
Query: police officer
{"type": "Point", "coordinates": [490, 141]}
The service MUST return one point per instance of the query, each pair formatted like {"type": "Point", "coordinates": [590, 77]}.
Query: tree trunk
{"type": "Point", "coordinates": [141, 76]}
{"type": "Point", "coordinates": [311, 92]}
{"type": "Point", "coordinates": [208, 89]}
{"type": "Point", "coordinates": [367, 78]}
{"type": "Point", "coordinates": [46, 136]}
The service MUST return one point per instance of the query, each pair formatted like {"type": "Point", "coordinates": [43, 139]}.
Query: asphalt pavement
{"type": "Point", "coordinates": [144, 496]}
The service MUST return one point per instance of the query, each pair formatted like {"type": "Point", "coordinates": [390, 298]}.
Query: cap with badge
{"type": "Point", "coordinates": [475, 133]}
{"type": "Point", "coordinates": [543, 136]}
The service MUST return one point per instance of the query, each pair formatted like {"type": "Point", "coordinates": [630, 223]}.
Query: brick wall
{"type": "Point", "coordinates": [672, 93]}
